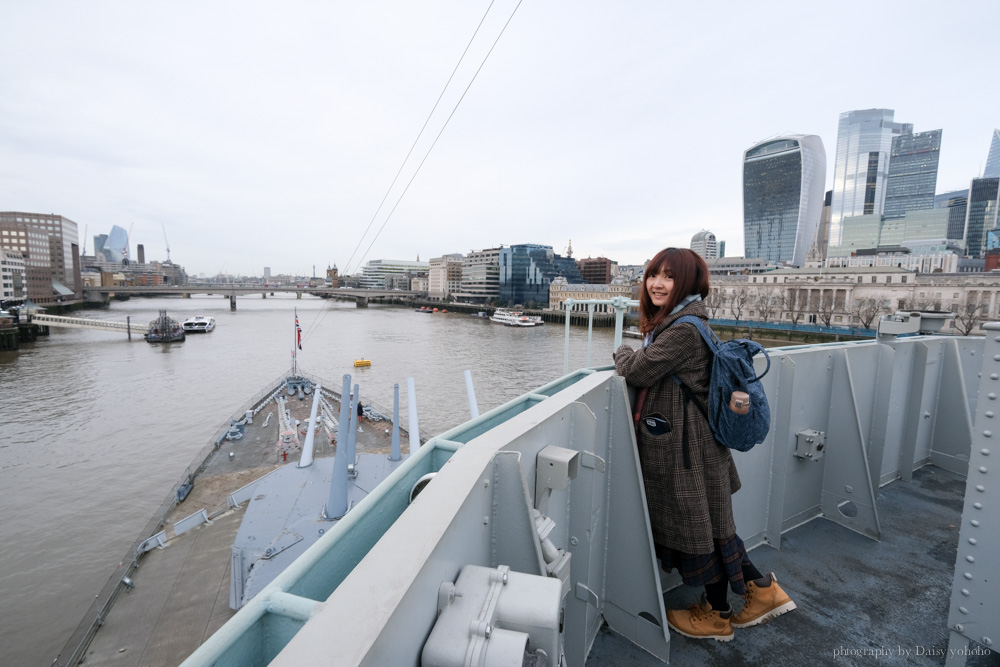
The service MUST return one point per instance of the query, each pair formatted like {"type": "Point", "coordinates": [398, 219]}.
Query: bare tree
{"type": "Point", "coordinates": [715, 301]}
{"type": "Point", "coordinates": [739, 301]}
{"type": "Point", "coordinates": [795, 304]}
{"type": "Point", "coordinates": [969, 316]}
{"type": "Point", "coordinates": [866, 310]}
{"type": "Point", "coordinates": [764, 300]}
{"type": "Point", "coordinates": [825, 308]}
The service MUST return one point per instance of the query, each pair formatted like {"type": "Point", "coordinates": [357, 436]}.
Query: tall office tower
{"type": "Point", "coordinates": [993, 159]}
{"type": "Point", "coordinates": [864, 141]}
{"type": "Point", "coordinates": [957, 203]}
{"type": "Point", "coordinates": [140, 253]}
{"type": "Point", "coordinates": [722, 249]}
{"type": "Point", "coordinates": [267, 273]}
{"type": "Point", "coordinates": [981, 216]}
{"type": "Point", "coordinates": [705, 245]}
{"type": "Point", "coordinates": [913, 167]}
{"type": "Point", "coordinates": [783, 183]}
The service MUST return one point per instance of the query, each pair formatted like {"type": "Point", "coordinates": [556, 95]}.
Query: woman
{"type": "Point", "coordinates": [688, 476]}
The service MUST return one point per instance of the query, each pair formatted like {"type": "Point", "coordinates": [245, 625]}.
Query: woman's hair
{"type": "Point", "coordinates": [690, 274]}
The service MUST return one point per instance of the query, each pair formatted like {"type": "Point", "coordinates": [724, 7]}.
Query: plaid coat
{"type": "Point", "coordinates": [688, 508]}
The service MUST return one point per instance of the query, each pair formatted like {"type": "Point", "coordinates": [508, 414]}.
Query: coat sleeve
{"type": "Point", "coordinates": [672, 350]}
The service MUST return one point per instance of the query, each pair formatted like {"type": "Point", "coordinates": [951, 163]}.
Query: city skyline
{"type": "Point", "coordinates": [616, 127]}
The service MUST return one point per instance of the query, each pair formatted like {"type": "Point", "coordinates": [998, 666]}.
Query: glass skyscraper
{"type": "Point", "coordinates": [912, 179]}
{"type": "Point", "coordinates": [527, 270]}
{"type": "Point", "coordinates": [993, 159]}
{"type": "Point", "coordinates": [783, 184]}
{"type": "Point", "coordinates": [981, 217]}
{"type": "Point", "coordinates": [864, 142]}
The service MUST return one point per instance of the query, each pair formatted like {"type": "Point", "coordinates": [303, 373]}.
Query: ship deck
{"type": "Point", "coordinates": [181, 591]}
{"type": "Point", "coordinates": [860, 602]}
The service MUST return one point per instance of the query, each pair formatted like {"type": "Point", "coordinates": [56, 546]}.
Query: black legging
{"type": "Point", "coordinates": [716, 593]}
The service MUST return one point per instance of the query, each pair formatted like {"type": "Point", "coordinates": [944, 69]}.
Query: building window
{"type": "Point", "coordinates": [874, 279]}
{"type": "Point", "coordinates": [860, 279]}
{"type": "Point", "coordinates": [888, 279]}
{"type": "Point", "coordinates": [902, 279]}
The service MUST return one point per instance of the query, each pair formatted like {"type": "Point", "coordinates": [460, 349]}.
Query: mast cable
{"type": "Point", "coordinates": [419, 134]}
{"type": "Point", "coordinates": [410, 182]}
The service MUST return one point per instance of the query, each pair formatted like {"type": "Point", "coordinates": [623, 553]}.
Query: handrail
{"type": "Point", "coordinates": [619, 303]}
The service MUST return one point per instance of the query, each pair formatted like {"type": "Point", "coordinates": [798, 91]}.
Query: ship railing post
{"type": "Point", "coordinates": [590, 330]}
{"type": "Point", "coordinates": [411, 401]}
{"type": "Point", "coordinates": [352, 447]}
{"type": "Point", "coordinates": [568, 304]}
{"type": "Point", "coordinates": [620, 304]}
{"type": "Point", "coordinates": [470, 391]}
{"type": "Point", "coordinates": [395, 455]}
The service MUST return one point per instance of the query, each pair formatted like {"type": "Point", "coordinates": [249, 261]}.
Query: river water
{"type": "Point", "coordinates": [95, 429]}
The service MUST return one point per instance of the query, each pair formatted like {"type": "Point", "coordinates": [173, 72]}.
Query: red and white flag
{"type": "Point", "coordinates": [298, 332]}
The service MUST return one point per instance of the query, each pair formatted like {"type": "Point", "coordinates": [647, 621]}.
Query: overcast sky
{"type": "Point", "coordinates": [267, 134]}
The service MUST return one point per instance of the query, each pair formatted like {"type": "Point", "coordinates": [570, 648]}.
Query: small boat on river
{"type": "Point", "coordinates": [199, 324]}
{"type": "Point", "coordinates": [513, 318]}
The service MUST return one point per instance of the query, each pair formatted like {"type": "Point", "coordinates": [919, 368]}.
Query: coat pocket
{"type": "Point", "coordinates": [655, 424]}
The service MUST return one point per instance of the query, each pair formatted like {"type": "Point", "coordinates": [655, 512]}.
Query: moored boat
{"type": "Point", "coordinates": [512, 318]}
{"type": "Point", "coordinates": [199, 324]}
{"type": "Point", "coordinates": [165, 330]}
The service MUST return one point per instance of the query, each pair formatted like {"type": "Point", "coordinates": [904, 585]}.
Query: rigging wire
{"type": "Point", "coordinates": [322, 315]}
{"type": "Point", "coordinates": [440, 132]}
{"type": "Point", "coordinates": [419, 134]}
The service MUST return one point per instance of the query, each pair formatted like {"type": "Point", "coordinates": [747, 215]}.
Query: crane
{"type": "Point", "coordinates": [166, 241]}
{"type": "Point", "coordinates": [84, 250]}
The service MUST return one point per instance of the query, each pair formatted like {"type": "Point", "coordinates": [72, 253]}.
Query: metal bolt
{"type": "Point", "coordinates": [982, 469]}
{"type": "Point", "coordinates": [975, 524]}
{"type": "Point", "coordinates": [989, 413]}
{"type": "Point", "coordinates": [961, 609]}
{"type": "Point", "coordinates": [849, 489]}
{"type": "Point", "coordinates": [972, 540]}
{"type": "Point", "coordinates": [967, 575]}
{"type": "Point", "coordinates": [994, 376]}
{"type": "Point", "coordinates": [980, 488]}
{"type": "Point", "coordinates": [978, 506]}
{"type": "Point", "coordinates": [959, 628]}
{"type": "Point", "coordinates": [987, 641]}
{"type": "Point", "coordinates": [489, 631]}
{"type": "Point", "coordinates": [971, 559]}
{"type": "Point", "coordinates": [965, 591]}
{"type": "Point", "coordinates": [984, 452]}
{"type": "Point", "coordinates": [996, 357]}
{"type": "Point", "coordinates": [988, 434]}
{"type": "Point", "coordinates": [486, 520]}
{"type": "Point", "coordinates": [991, 396]}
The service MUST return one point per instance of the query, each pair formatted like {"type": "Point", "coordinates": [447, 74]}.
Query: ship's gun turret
{"type": "Point", "coordinates": [911, 322]}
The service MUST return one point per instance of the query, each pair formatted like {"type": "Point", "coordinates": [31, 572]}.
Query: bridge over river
{"type": "Point", "coordinates": [360, 296]}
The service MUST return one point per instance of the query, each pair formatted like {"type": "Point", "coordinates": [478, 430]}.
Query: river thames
{"type": "Point", "coordinates": [97, 428]}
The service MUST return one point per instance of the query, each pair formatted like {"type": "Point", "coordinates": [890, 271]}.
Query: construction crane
{"type": "Point", "coordinates": [166, 241]}
{"type": "Point", "coordinates": [83, 251]}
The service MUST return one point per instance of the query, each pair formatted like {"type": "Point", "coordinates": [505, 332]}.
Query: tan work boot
{"type": "Point", "coordinates": [701, 622]}
{"type": "Point", "coordinates": [762, 604]}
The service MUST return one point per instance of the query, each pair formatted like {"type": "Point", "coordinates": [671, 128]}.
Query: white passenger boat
{"type": "Point", "coordinates": [512, 318]}
{"type": "Point", "coordinates": [199, 324]}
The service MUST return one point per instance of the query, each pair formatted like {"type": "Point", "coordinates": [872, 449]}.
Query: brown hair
{"type": "Point", "coordinates": [690, 275]}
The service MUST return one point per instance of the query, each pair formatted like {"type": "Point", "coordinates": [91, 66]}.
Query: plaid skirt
{"type": "Point", "coordinates": [725, 563]}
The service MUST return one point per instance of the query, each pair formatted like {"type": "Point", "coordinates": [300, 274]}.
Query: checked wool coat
{"type": "Point", "coordinates": [688, 508]}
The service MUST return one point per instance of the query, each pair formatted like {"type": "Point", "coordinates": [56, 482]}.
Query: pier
{"type": "Point", "coordinates": [87, 323]}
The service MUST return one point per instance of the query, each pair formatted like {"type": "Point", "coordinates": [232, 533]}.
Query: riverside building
{"type": "Point", "coordinates": [380, 273]}
{"type": "Point", "coordinates": [783, 185]}
{"type": "Point", "coordinates": [993, 159]}
{"type": "Point", "coordinates": [444, 277]}
{"type": "Point", "coordinates": [527, 270]}
{"type": "Point", "coordinates": [560, 290]}
{"type": "Point", "coordinates": [981, 215]}
{"type": "Point", "coordinates": [12, 278]}
{"type": "Point", "coordinates": [49, 245]}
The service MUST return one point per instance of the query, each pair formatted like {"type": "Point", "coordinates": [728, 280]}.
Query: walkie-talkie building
{"type": "Point", "coordinates": [783, 184]}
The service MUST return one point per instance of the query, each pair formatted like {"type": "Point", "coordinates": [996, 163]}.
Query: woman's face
{"type": "Point", "coordinates": [659, 287]}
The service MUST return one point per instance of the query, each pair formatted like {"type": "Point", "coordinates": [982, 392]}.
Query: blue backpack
{"type": "Point", "coordinates": [732, 370]}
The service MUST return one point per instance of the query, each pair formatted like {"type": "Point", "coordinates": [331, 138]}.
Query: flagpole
{"type": "Point", "coordinates": [295, 341]}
